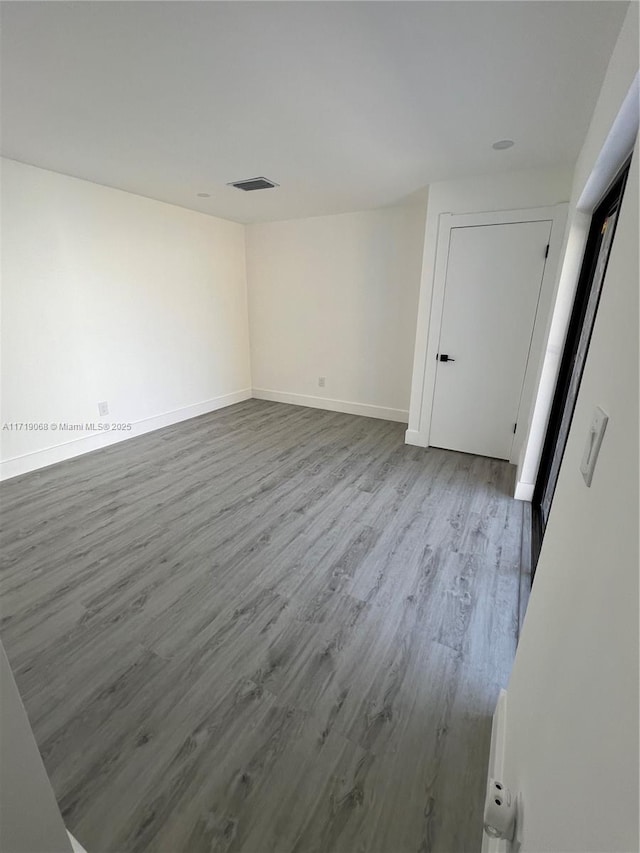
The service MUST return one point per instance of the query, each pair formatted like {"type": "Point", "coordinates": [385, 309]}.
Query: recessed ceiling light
{"type": "Point", "coordinates": [501, 144]}
{"type": "Point", "coordinates": [204, 195]}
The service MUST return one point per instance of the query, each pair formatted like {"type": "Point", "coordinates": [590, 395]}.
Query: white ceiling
{"type": "Point", "coordinates": [346, 105]}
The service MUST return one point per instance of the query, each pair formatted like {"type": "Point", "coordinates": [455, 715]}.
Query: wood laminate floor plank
{"type": "Point", "coordinates": [266, 630]}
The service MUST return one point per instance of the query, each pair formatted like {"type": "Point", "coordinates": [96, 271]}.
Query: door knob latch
{"type": "Point", "coordinates": [444, 357]}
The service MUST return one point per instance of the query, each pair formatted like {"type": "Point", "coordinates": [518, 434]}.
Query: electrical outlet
{"type": "Point", "coordinates": [103, 408]}
{"type": "Point", "coordinates": [500, 811]}
{"type": "Point", "coordinates": [321, 381]}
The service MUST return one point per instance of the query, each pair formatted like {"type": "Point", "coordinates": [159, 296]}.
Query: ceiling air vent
{"type": "Point", "coordinates": [253, 184]}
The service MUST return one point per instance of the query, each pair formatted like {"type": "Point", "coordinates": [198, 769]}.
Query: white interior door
{"type": "Point", "coordinates": [493, 279]}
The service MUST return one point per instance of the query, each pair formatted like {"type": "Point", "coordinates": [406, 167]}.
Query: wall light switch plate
{"type": "Point", "coordinates": [103, 408]}
{"type": "Point", "coordinates": [594, 442]}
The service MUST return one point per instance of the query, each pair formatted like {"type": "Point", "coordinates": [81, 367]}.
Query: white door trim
{"type": "Point", "coordinates": [557, 215]}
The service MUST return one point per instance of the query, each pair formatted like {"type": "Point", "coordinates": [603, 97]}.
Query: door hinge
{"type": "Point", "coordinates": [515, 427]}
{"type": "Point", "coordinates": [546, 251]}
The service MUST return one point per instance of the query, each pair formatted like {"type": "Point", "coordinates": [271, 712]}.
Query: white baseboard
{"type": "Point", "coordinates": [95, 440]}
{"type": "Point", "coordinates": [524, 491]}
{"type": "Point", "coordinates": [496, 766]}
{"type": "Point", "coordinates": [348, 408]}
{"type": "Point", "coordinates": [417, 439]}
{"type": "Point", "coordinates": [75, 844]}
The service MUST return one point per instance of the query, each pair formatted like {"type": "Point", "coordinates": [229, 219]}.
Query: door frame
{"type": "Point", "coordinates": [557, 215]}
{"type": "Point", "coordinates": [572, 361]}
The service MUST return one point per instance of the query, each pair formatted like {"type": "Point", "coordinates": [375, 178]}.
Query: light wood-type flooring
{"type": "Point", "coordinates": [269, 629]}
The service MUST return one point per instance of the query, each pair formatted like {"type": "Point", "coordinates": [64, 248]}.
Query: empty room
{"type": "Point", "coordinates": [319, 427]}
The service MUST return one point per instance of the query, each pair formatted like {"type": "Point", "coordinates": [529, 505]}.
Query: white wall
{"type": "Point", "coordinates": [110, 296]}
{"type": "Point", "coordinates": [505, 191]}
{"type": "Point", "coordinates": [572, 718]}
{"type": "Point", "coordinates": [30, 820]}
{"type": "Point", "coordinates": [336, 296]}
{"type": "Point", "coordinates": [571, 742]}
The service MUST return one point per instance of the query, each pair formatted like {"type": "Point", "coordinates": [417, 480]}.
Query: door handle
{"type": "Point", "coordinates": [444, 357]}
